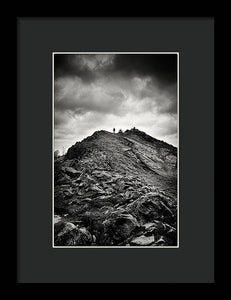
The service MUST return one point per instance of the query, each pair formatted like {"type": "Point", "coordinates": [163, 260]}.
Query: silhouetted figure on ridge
{"type": "Point", "coordinates": [113, 130]}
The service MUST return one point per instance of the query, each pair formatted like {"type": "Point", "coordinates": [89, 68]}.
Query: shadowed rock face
{"type": "Point", "coordinates": [116, 190]}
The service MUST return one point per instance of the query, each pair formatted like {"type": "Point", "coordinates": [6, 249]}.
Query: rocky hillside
{"type": "Point", "coordinates": [116, 190]}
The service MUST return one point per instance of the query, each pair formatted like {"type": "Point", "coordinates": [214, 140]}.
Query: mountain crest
{"type": "Point", "coordinates": [116, 189]}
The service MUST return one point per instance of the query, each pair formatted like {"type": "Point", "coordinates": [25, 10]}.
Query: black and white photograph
{"type": "Point", "coordinates": [115, 149]}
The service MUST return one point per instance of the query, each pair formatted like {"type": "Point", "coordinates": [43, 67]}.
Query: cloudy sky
{"type": "Point", "coordinates": [101, 91]}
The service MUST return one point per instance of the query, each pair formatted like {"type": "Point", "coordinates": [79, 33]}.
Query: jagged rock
{"type": "Point", "coordinates": [143, 240]}
{"type": "Point", "coordinates": [149, 209]}
{"type": "Point", "coordinates": [63, 179]}
{"type": "Point", "coordinates": [160, 242]}
{"type": "Point", "coordinates": [56, 219]}
{"type": "Point", "coordinates": [97, 189]}
{"type": "Point", "coordinates": [128, 194]}
{"type": "Point", "coordinates": [149, 225]}
{"type": "Point", "coordinates": [68, 234]}
{"type": "Point", "coordinates": [68, 193]}
{"type": "Point", "coordinates": [71, 171]}
{"type": "Point", "coordinates": [119, 226]}
{"type": "Point", "coordinates": [102, 174]}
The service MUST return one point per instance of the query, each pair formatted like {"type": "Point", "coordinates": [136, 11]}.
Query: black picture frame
{"type": "Point", "coordinates": [193, 261]}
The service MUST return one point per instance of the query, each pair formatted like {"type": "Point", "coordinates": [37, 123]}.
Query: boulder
{"type": "Point", "coordinates": [102, 175]}
{"type": "Point", "coordinates": [63, 179]}
{"type": "Point", "coordinates": [119, 226]}
{"type": "Point", "coordinates": [57, 218]}
{"type": "Point", "coordinates": [96, 189]}
{"type": "Point", "coordinates": [161, 242]}
{"type": "Point", "coordinates": [68, 234]}
{"type": "Point", "coordinates": [143, 240]}
{"type": "Point", "coordinates": [148, 209]}
{"type": "Point", "coordinates": [61, 228]}
{"type": "Point", "coordinates": [71, 171]}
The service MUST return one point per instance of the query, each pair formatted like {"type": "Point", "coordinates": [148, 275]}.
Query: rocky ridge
{"type": "Point", "coordinates": [116, 190]}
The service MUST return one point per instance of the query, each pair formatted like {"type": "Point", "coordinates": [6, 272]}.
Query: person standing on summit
{"type": "Point", "coordinates": [113, 130]}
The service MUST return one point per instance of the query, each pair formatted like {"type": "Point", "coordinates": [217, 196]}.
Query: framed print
{"type": "Point", "coordinates": [115, 150]}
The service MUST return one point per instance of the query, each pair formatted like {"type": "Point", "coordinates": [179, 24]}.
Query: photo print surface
{"type": "Point", "coordinates": [115, 150]}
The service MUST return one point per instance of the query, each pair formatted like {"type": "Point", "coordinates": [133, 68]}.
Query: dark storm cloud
{"type": "Point", "coordinates": [63, 66]}
{"type": "Point", "coordinates": [100, 91]}
{"type": "Point", "coordinates": [81, 65]}
{"type": "Point", "coordinates": [161, 66]}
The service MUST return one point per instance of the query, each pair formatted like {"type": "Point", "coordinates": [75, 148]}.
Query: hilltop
{"type": "Point", "coordinates": [116, 189]}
